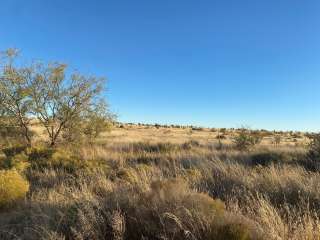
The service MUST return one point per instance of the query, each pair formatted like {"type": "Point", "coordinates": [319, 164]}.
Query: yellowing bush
{"type": "Point", "coordinates": [129, 175]}
{"type": "Point", "coordinates": [57, 159]}
{"type": "Point", "coordinates": [20, 162]}
{"type": "Point", "coordinates": [13, 187]}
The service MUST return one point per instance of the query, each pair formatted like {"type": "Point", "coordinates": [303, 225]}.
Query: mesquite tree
{"type": "Point", "coordinates": [49, 93]}
{"type": "Point", "coordinates": [60, 100]}
{"type": "Point", "coordinates": [15, 99]}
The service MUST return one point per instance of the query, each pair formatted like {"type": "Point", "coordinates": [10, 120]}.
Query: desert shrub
{"type": "Point", "coordinates": [12, 151]}
{"type": "Point", "coordinates": [65, 159]}
{"type": "Point", "coordinates": [128, 175]}
{"type": "Point", "coordinates": [221, 136]}
{"type": "Point", "coordinates": [244, 140]}
{"type": "Point", "coordinates": [59, 158]}
{"type": "Point", "coordinates": [256, 136]}
{"type": "Point", "coordinates": [313, 155]}
{"type": "Point", "coordinates": [18, 162]}
{"type": "Point", "coordinates": [86, 129]}
{"type": "Point", "coordinates": [38, 153]}
{"type": "Point", "coordinates": [223, 130]}
{"type": "Point", "coordinates": [197, 129]}
{"type": "Point", "coordinates": [295, 135]}
{"type": "Point", "coordinates": [15, 157]}
{"type": "Point", "coordinates": [140, 175]}
{"type": "Point", "coordinates": [39, 156]}
{"type": "Point", "coordinates": [13, 187]}
{"type": "Point", "coordinates": [95, 125]}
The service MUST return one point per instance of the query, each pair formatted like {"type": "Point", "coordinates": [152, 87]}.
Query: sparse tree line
{"type": "Point", "coordinates": [67, 105]}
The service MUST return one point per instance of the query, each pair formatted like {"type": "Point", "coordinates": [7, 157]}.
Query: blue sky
{"type": "Point", "coordinates": [222, 63]}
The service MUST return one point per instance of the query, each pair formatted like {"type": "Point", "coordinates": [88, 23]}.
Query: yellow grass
{"type": "Point", "coordinates": [141, 182]}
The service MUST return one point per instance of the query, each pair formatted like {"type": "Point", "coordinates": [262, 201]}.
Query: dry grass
{"type": "Point", "coordinates": [148, 183]}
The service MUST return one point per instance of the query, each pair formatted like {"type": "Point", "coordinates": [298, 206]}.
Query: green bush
{"type": "Point", "coordinates": [55, 158]}
{"type": "Point", "coordinates": [18, 162]}
{"type": "Point", "coordinates": [40, 153]}
{"type": "Point", "coordinates": [12, 151]}
{"type": "Point", "coordinates": [245, 140]}
{"type": "Point", "coordinates": [13, 187]}
{"type": "Point", "coordinates": [59, 158]}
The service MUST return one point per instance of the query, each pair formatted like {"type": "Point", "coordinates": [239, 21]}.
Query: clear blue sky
{"type": "Point", "coordinates": [213, 63]}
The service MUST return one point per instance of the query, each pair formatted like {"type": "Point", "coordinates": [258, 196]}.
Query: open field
{"type": "Point", "coordinates": [150, 133]}
{"type": "Point", "coordinates": [144, 182]}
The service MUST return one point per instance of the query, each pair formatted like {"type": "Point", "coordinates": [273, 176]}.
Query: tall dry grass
{"type": "Point", "coordinates": [162, 190]}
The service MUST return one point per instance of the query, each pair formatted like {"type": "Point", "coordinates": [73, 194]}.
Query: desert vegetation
{"type": "Point", "coordinates": [68, 170]}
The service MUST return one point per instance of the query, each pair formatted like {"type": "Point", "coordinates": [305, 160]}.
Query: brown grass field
{"type": "Point", "coordinates": [143, 182]}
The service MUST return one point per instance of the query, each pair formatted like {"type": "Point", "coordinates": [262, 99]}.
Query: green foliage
{"type": "Point", "coordinates": [18, 162]}
{"type": "Point", "coordinates": [40, 155]}
{"type": "Point", "coordinates": [97, 120]}
{"type": "Point", "coordinates": [89, 126]}
{"type": "Point", "coordinates": [63, 159]}
{"type": "Point", "coordinates": [13, 187]}
{"type": "Point", "coordinates": [12, 151]}
{"type": "Point", "coordinates": [245, 140]}
{"type": "Point", "coordinates": [58, 99]}
{"type": "Point", "coordinates": [15, 100]}
{"type": "Point", "coordinates": [55, 158]}
{"type": "Point", "coordinates": [20, 158]}
{"type": "Point", "coordinates": [15, 157]}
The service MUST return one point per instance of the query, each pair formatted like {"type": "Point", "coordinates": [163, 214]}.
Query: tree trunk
{"type": "Point", "coordinates": [56, 135]}
{"type": "Point", "coordinates": [29, 143]}
{"type": "Point", "coordinates": [27, 135]}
